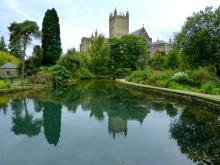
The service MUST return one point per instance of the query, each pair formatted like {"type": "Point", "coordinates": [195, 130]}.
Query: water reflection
{"type": "Point", "coordinates": [196, 132]}
{"type": "Point", "coordinates": [52, 122]}
{"type": "Point", "coordinates": [198, 135]}
{"type": "Point", "coordinates": [24, 124]}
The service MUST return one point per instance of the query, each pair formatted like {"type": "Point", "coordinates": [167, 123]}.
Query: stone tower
{"type": "Point", "coordinates": [118, 24]}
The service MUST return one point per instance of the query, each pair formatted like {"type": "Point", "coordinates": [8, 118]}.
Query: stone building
{"type": "Point", "coordinates": [160, 45]}
{"type": "Point", "coordinates": [117, 126]}
{"type": "Point", "coordinates": [86, 43]}
{"type": "Point", "coordinates": [142, 31]}
{"type": "Point", "coordinates": [9, 70]}
{"type": "Point", "coordinates": [118, 24]}
{"type": "Point", "coordinates": [118, 27]}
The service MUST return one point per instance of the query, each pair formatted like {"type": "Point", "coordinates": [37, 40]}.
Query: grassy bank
{"type": "Point", "coordinates": [193, 97]}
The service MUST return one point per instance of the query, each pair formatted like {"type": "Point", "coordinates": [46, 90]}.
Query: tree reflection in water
{"type": "Point", "coordinates": [197, 133]}
{"type": "Point", "coordinates": [24, 124]}
{"type": "Point", "coordinates": [52, 122]}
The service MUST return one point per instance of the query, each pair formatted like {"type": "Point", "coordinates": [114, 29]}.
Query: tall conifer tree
{"type": "Point", "coordinates": [3, 44]}
{"type": "Point", "coordinates": [51, 43]}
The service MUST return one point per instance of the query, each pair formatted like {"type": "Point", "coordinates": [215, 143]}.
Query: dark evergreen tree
{"type": "Point", "coordinates": [51, 43]}
{"type": "Point", "coordinates": [3, 45]}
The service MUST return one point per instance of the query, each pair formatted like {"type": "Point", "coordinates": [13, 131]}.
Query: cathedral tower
{"type": "Point", "coordinates": [118, 24]}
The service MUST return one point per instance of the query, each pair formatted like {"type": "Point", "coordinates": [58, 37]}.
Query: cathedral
{"type": "Point", "coordinates": [118, 27]}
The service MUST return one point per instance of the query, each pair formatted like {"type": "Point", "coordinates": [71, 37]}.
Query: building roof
{"type": "Point", "coordinates": [9, 65]}
{"type": "Point", "coordinates": [140, 31]}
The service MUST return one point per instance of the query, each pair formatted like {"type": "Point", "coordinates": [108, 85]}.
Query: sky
{"type": "Point", "coordinates": [79, 18]}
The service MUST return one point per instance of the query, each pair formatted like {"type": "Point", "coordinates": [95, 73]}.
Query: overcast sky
{"type": "Point", "coordinates": [79, 18]}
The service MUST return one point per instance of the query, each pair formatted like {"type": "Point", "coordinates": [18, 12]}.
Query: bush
{"type": "Point", "coordinates": [160, 78]}
{"type": "Point", "coordinates": [158, 61]}
{"type": "Point", "coordinates": [43, 77]}
{"type": "Point", "coordinates": [182, 78]}
{"type": "Point", "coordinates": [60, 76]}
{"type": "Point", "coordinates": [85, 74]}
{"type": "Point", "coordinates": [5, 85]}
{"type": "Point", "coordinates": [201, 76]}
{"type": "Point", "coordinates": [122, 72]}
{"type": "Point", "coordinates": [139, 76]}
{"type": "Point", "coordinates": [208, 87]}
{"type": "Point", "coordinates": [173, 60]}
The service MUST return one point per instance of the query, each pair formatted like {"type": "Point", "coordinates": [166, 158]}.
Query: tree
{"type": "Point", "coordinates": [173, 60]}
{"type": "Point", "coordinates": [99, 55]}
{"type": "Point", "coordinates": [158, 61]}
{"type": "Point", "coordinates": [22, 34]}
{"type": "Point", "coordinates": [128, 52]}
{"type": "Point", "coordinates": [3, 45]}
{"type": "Point", "coordinates": [51, 43]}
{"type": "Point", "coordinates": [200, 37]}
{"type": "Point", "coordinates": [36, 60]}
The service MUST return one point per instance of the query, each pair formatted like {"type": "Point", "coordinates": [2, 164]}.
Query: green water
{"type": "Point", "coordinates": [103, 123]}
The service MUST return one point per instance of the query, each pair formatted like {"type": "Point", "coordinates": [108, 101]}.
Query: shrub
{"type": "Point", "coordinates": [85, 74]}
{"type": "Point", "coordinates": [42, 77]}
{"type": "Point", "coordinates": [5, 85]}
{"type": "Point", "coordinates": [182, 78]}
{"type": "Point", "coordinates": [173, 60]}
{"type": "Point", "coordinates": [158, 61]}
{"type": "Point", "coordinates": [60, 76]}
{"type": "Point", "coordinates": [201, 75]}
{"type": "Point", "coordinates": [208, 87]}
{"type": "Point", "coordinates": [160, 78]}
{"type": "Point", "coordinates": [122, 72]}
{"type": "Point", "coordinates": [139, 76]}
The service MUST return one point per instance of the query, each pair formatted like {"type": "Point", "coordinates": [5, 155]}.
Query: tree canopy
{"type": "Point", "coordinates": [51, 43]}
{"type": "Point", "coordinates": [200, 37]}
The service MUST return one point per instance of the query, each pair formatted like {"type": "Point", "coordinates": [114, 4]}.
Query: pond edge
{"type": "Point", "coordinates": [204, 101]}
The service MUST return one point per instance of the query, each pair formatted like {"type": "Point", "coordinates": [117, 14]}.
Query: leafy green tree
{"type": "Point", "coordinates": [15, 48]}
{"type": "Point", "coordinates": [200, 37]}
{"type": "Point", "coordinates": [158, 61]}
{"type": "Point", "coordinates": [22, 34]}
{"type": "Point", "coordinates": [128, 52]}
{"type": "Point", "coordinates": [173, 60]}
{"type": "Point", "coordinates": [3, 44]}
{"type": "Point", "coordinates": [99, 56]}
{"type": "Point", "coordinates": [51, 42]}
{"type": "Point", "coordinates": [35, 61]}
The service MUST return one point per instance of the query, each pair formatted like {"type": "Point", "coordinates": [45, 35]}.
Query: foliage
{"type": "Point", "coordinates": [36, 60]}
{"type": "Point", "coordinates": [22, 34]}
{"type": "Point", "coordinates": [210, 87]}
{"type": "Point", "coordinates": [3, 45]}
{"type": "Point", "coordinates": [51, 43]}
{"type": "Point", "coordinates": [99, 53]}
{"type": "Point", "coordinates": [199, 38]}
{"type": "Point", "coordinates": [182, 78]}
{"type": "Point", "coordinates": [158, 61]}
{"type": "Point", "coordinates": [60, 76]}
{"type": "Point", "coordinates": [173, 60]}
{"type": "Point", "coordinates": [130, 51]}
{"type": "Point", "coordinates": [160, 78]}
{"type": "Point", "coordinates": [5, 56]}
{"type": "Point", "coordinates": [122, 72]}
{"type": "Point", "coordinates": [85, 74]}
{"type": "Point", "coordinates": [201, 75]}
{"type": "Point", "coordinates": [74, 62]}
{"type": "Point", "coordinates": [139, 76]}
{"type": "Point", "coordinates": [43, 77]}
{"type": "Point", "coordinates": [5, 84]}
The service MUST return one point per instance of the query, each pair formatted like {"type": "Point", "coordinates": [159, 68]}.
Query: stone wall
{"type": "Point", "coordinates": [199, 102]}
{"type": "Point", "coordinates": [7, 73]}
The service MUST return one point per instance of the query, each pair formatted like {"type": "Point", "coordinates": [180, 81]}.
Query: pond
{"type": "Point", "coordinates": [104, 123]}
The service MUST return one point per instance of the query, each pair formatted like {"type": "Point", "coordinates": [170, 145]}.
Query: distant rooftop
{"type": "Point", "coordinates": [8, 65]}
